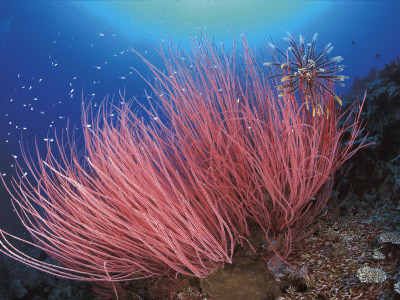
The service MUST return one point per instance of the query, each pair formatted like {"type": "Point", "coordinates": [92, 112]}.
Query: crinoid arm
{"type": "Point", "coordinates": [307, 71]}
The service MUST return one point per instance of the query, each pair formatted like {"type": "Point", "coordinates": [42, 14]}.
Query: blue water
{"type": "Point", "coordinates": [53, 54]}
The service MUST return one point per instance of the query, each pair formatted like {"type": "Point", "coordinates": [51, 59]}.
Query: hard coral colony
{"type": "Point", "coordinates": [174, 195]}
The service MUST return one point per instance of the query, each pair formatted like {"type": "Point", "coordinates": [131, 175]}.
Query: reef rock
{"type": "Point", "coordinates": [244, 279]}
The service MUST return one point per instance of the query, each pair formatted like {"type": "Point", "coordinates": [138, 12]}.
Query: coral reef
{"type": "Point", "coordinates": [322, 265]}
{"type": "Point", "coordinates": [382, 110]}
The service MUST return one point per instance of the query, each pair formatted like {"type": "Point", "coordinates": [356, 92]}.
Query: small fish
{"type": "Point", "coordinates": [377, 55]}
{"type": "Point", "coordinates": [353, 43]}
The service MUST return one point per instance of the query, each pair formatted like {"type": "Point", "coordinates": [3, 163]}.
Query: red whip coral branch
{"type": "Point", "coordinates": [174, 194]}
{"type": "Point", "coordinates": [268, 158]}
{"type": "Point", "coordinates": [128, 209]}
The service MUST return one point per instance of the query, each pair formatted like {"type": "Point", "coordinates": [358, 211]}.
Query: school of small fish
{"type": "Point", "coordinates": [25, 96]}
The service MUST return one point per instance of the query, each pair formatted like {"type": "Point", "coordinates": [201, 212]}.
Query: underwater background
{"type": "Point", "coordinates": [53, 54]}
{"type": "Point", "coordinates": [56, 54]}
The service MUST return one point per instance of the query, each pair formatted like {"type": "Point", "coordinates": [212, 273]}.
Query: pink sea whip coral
{"type": "Point", "coordinates": [174, 194]}
{"type": "Point", "coordinates": [268, 157]}
{"type": "Point", "coordinates": [128, 209]}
